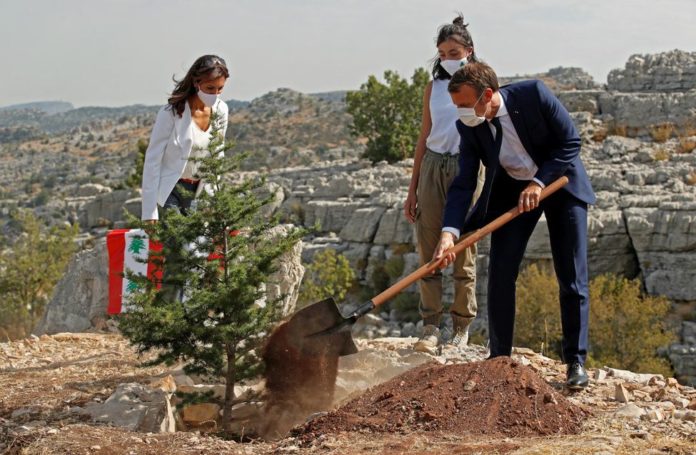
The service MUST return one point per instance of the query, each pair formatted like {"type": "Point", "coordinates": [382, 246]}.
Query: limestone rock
{"type": "Point", "coordinates": [621, 394]}
{"type": "Point", "coordinates": [664, 72]}
{"type": "Point", "coordinates": [105, 208]}
{"type": "Point", "coordinates": [135, 407]}
{"type": "Point", "coordinates": [630, 410]}
{"type": "Point", "coordinates": [202, 414]}
{"type": "Point", "coordinates": [629, 376]}
{"type": "Point", "coordinates": [91, 189]}
{"type": "Point", "coordinates": [80, 296]}
{"type": "Point", "coordinates": [362, 225]}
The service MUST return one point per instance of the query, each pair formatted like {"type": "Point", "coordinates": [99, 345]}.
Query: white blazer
{"type": "Point", "coordinates": [170, 145]}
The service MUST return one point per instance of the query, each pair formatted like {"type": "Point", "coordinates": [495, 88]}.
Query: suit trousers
{"type": "Point", "coordinates": [566, 217]}
{"type": "Point", "coordinates": [436, 174]}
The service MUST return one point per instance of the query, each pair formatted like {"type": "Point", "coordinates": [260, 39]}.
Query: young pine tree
{"type": "Point", "coordinates": [221, 254]}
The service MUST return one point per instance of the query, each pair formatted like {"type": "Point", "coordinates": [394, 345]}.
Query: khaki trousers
{"type": "Point", "coordinates": [436, 174]}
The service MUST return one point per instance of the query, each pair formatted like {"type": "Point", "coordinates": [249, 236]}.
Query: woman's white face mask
{"type": "Point", "coordinates": [451, 66]}
{"type": "Point", "coordinates": [468, 115]}
{"type": "Point", "coordinates": [208, 99]}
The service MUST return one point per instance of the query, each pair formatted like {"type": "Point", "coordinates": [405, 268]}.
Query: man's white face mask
{"type": "Point", "coordinates": [468, 115]}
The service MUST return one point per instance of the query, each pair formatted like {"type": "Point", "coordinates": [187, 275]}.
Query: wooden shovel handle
{"type": "Point", "coordinates": [472, 238]}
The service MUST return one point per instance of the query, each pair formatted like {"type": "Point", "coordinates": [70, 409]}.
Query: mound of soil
{"type": "Point", "coordinates": [494, 397]}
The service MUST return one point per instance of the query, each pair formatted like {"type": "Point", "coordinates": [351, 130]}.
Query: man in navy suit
{"type": "Point", "coordinates": [526, 139]}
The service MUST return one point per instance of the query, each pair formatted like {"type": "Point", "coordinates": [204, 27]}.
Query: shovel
{"type": "Point", "coordinates": [321, 329]}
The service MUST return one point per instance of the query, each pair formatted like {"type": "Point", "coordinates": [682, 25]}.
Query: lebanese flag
{"type": "Point", "coordinates": [125, 247]}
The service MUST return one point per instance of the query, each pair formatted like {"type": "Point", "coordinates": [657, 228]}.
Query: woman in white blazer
{"type": "Point", "coordinates": [182, 130]}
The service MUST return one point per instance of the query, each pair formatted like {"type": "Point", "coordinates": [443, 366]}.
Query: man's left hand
{"type": "Point", "coordinates": [529, 198]}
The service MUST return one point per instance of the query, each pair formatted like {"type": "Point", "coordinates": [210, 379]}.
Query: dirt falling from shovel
{"type": "Point", "coordinates": [297, 384]}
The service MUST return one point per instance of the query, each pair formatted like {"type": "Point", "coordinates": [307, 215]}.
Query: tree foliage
{"type": "Point", "coordinates": [329, 275]}
{"type": "Point", "coordinates": [135, 179]}
{"type": "Point", "coordinates": [388, 114]}
{"type": "Point", "coordinates": [30, 267]}
{"type": "Point", "coordinates": [626, 326]}
{"type": "Point", "coordinates": [222, 254]}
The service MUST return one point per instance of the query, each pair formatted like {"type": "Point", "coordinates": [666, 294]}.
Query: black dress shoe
{"type": "Point", "coordinates": [576, 377]}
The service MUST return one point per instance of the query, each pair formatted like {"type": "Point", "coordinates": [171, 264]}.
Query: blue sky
{"type": "Point", "coordinates": [118, 52]}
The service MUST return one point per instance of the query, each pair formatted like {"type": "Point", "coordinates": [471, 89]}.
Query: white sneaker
{"type": "Point", "coordinates": [428, 340]}
{"type": "Point", "coordinates": [460, 338]}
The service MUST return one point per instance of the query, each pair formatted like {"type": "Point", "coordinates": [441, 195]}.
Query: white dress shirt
{"type": "Point", "coordinates": [513, 157]}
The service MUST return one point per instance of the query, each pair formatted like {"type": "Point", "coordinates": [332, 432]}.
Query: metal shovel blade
{"type": "Point", "coordinates": [302, 329]}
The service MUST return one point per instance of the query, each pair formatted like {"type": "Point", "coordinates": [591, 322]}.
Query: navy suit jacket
{"type": "Point", "coordinates": [547, 133]}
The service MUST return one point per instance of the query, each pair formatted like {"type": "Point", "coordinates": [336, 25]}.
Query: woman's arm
{"type": "Point", "coordinates": [161, 132]}
{"type": "Point", "coordinates": [426, 125]}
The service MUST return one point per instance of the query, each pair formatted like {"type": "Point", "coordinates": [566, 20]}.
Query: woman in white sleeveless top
{"type": "Point", "coordinates": [435, 166]}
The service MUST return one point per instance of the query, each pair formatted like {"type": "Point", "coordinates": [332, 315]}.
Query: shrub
{"type": "Point", "coordinates": [626, 327]}
{"type": "Point", "coordinates": [686, 144]}
{"type": "Point", "coordinates": [406, 304]}
{"type": "Point", "coordinates": [388, 114]}
{"type": "Point", "coordinates": [662, 132]}
{"type": "Point", "coordinates": [30, 267]}
{"type": "Point", "coordinates": [329, 275]}
{"type": "Point", "coordinates": [661, 155]}
{"type": "Point", "coordinates": [394, 266]}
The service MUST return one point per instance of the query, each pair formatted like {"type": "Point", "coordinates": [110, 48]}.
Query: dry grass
{"type": "Point", "coordinates": [660, 133]}
{"type": "Point", "coordinates": [686, 144]}
{"type": "Point", "coordinates": [661, 155]}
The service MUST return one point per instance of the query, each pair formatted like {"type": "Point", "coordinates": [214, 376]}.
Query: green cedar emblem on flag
{"type": "Point", "coordinates": [136, 245]}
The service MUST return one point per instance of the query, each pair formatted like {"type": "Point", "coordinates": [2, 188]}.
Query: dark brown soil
{"type": "Point", "coordinates": [494, 397]}
{"type": "Point", "coordinates": [298, 383]}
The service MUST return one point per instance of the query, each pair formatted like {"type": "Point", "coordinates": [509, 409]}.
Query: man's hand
{"type": "Point", "coordinates": [529, 198]}
{"type": "Point", "coordinates": [446, 242]}
{"type": "Point", "coordinates": [410, 207]}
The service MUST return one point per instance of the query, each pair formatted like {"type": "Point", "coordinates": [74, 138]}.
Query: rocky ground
{"type": "Point", "coordinates": [54, 391]}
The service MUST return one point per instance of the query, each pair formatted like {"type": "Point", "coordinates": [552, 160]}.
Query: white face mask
{"type": "Point", "coordinates": [208, 99]}
{"type": "Point", "coordinates": [468, 115]}
{"type": "Point", "coordinates": [451, 66]}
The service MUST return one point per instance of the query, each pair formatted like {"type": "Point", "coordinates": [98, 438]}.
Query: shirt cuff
{"type": "Point", "coordinates": [541, 184]}
{"type": "Point", "coordinates": [452, 230]}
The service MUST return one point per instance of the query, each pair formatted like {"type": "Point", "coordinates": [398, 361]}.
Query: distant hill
{"type": "Point", "coordinates": [48, 107]}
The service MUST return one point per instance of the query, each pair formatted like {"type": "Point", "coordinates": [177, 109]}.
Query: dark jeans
{"type": "Point", "coordinates": [179, 199]}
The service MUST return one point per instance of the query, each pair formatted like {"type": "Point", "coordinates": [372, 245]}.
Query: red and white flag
{"type": "Point", "coordinates": [126, 247]}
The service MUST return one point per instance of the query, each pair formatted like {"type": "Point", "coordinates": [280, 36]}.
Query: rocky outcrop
{"type": "Point", "coordinates": [664, 72]}
{"type": "Point", "coordinates": [652, 90]}
{"type": "Point", "coordinates": [80, 298]}
{"type": "Point", "coordinates": [106, 208]}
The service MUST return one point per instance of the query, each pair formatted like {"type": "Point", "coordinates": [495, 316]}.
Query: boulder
{"type": "Point", "coordinates": [81, 296]}
{"type": "Point", "coordinates": [135, 407]}
{"type": "Point", "coordinates": [201, 414]}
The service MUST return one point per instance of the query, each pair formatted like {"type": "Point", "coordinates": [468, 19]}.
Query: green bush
{"type": "Point", "coordinates": [388, 114]}
{"type": "Point", "coordinates": [626, 326]}
{"type": "Point", "coordinates": [30, 267]}
{"type": "Point", "coordinates": [329, 275]}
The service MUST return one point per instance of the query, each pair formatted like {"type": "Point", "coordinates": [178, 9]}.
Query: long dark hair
{"type": "Point", "coordinates": [204, 68]}
{"type": "Point", "coordinates": [456, 31]}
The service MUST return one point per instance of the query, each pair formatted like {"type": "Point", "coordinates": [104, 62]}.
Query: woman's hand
{"type": "Point", "coordinates": [410, 206]}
